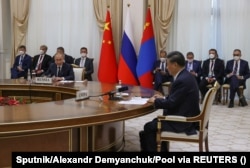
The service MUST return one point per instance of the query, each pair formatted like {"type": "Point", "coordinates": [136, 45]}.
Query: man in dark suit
{"type": "Point", "coordinates": [60, 70]}
{"type": "Point", "coordinates": [237, 72]}
{"type": "Point", "coordinates": [193, 66]}
{"type": "Point", "coordinates": [85, 62]}
{"type": "Point", "coordinates": [160, 72]}
{"type": "Point", "coordinates": [41, 62]}
{"type": "Point", "coordinates": [21, 64]}
{"type": "Point", "coordinates": [67, 58]}
{"type": "Point", "coordinates": [183, 100]}
{"type": "Point", "coordinates": [212, 70]}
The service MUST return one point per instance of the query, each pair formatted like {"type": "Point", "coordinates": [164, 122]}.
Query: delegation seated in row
{"type": "Point", "coordinates": [41, 63]}
{"type": "Point", "coordinates": [213, 69]}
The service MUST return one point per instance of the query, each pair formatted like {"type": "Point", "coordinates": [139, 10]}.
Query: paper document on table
{"type": "Point", "coordinates": [135, 100]}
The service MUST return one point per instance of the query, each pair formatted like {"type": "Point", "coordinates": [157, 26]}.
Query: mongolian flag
{"type": "Point", "coordinates": [147, 54]}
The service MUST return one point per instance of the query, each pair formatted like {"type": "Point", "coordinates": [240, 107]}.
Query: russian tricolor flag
{"type": "Point", "coordinates": [128, 58]}
{"type": "Point", "coordinates": [147, 54]}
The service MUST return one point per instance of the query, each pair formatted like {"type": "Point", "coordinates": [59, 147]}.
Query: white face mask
{"type": "Point", "coordinates": [236, 58]}
{"type": "Point", "coordinates": [211, 56]}
{"type": "Point", "coordinates": [163, 59]}
{"type": "Point", "coordinates": [41, 52]}
{"type": "Point", "coordinates": [21, 52]}
{"type": "Point", "coordinates": [190, 60]}
{"type": "Point", "coordinates": [84, 55]}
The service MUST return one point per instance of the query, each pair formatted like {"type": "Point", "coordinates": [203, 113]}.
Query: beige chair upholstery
{"type": "Point", "coordinates": [168, 85]}
{"type": "Point", "coordinates": [79, 73]}
{"type": "Point", "coordinates": [202, 119]}
{"type": "Point", "coordinates": [225, 90]}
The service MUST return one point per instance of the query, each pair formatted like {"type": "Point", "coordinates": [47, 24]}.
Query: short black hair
{"type": "Point", "coordinates": [85, 48]}
{"type": "Point", "coordinates": [190, 53]}
{"type": "Point", "coordinates": [22, 46]}
{"type": "Point", "coordinates": [237, 50]}
{"type": "Point", "coordinates": [60, 48]}
{"type": "Point", "coordinates": [176, 56]}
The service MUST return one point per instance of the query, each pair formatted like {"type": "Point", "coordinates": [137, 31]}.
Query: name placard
{"type": "Point", "coordinates": [43, 80]}
{"type": "Point", "coordinates": [82, 95]}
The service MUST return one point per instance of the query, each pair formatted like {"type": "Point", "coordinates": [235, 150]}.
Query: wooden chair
{"type": "Point", "coordinates": [217, 98]}
{"type": "Point", "coordinates": [202, 119]}
{"type": "Point", "coordinates": [225, 90]}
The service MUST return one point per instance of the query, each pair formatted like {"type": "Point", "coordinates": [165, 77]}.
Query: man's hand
{"type": "Point", "coordinates": [210, 80]}
{"type": "Point", "coordinates": [19, 68]}
{"type": "Point", "coordinates": [156, 96]}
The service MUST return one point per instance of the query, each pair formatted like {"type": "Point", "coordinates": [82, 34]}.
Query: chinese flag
{"type": "Point", "coordinates": [107, 71]}
{"type": "Point", "coordinates": [147, 54]}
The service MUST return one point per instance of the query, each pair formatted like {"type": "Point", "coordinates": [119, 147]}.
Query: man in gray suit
{"type": "Point", "coordinates": [183, 100]}
{"type": "Point", "coordinates": [85, 62]}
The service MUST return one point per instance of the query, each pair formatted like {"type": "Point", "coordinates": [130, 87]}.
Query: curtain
{"type": "Point", "coordinates": [115, 7]}
{"type": "Point", "coordinates": [191, 29]}
{"type": "Point", "coordinates": [233, 31]}
{"type": "Point", "coordinates": [63, 23]}
{"type": "Point", "coordinates": [220, 24]}
{"type": "Point", "coordinates": [19, 16]}
{"type": "Point", "coordinates": [162, 14]}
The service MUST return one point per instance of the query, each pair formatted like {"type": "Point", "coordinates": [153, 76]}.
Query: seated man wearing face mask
{"type": "Point", "coordinates": [85, 62]}
{"type": "Point", "coordinates": [161, 73]}
{"type": "Point", "coordinates": [212, 70]}
{"type": "Point", "coordinates": [193, 66]}
{"type": "Point", "coordinates": [21, 64]}
{"type": "Point", "coordinates": [237, 72]}
{"type": "Point", "coordinates": [41, 62]}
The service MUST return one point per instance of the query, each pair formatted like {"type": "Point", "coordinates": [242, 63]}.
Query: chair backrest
{"type": "Point", "coordinates": [79, 74]}
{"type": "Point", "coordinates": [207, 104]}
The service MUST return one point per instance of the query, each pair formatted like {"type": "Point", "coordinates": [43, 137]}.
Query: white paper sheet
{"type": "Point", "coordinates": [135, 100]}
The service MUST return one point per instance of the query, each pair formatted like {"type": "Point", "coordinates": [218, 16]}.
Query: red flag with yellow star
{"type": "Point", "coordinates": [107, 71]}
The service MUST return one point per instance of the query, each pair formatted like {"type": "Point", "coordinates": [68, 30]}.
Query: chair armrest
{"type": "Point", "coordinates": [172, 118]}
{"type": "Point", "coordinates": [178, 118]}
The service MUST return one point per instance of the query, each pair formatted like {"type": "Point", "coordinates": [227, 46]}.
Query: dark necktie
{"type": "Point", "coordinates": [235, 67]}
{"type": "Point", "coordinates": [162, 66]}
{"type": "Point", "coordinates": [21, 60]}
{"type": "Point", "coordinates": [59, 72]}
{"type": "Point", "coordinates": [212, 68]}
{"type": "Point", "coordinates": [190, 66]}
{"type": "Point", "coordinates": [40, 62]}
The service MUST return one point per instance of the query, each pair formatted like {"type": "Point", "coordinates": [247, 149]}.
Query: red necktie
{"type": "Point", "coordinates": [235, 67]}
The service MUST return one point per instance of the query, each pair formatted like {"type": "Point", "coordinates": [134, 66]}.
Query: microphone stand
{"type": "Point", "coordinates": [113, 97]}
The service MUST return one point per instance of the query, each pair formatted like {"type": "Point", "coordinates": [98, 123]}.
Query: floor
{"type": "Point", "coordinates": [229, 130]}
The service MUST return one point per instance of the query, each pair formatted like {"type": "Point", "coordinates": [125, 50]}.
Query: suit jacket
{"type": "Point", "coordinates": [183, 100]}
{"type": "Point", "coordinates": [196, 69]}
{"type": "Point", "coordinates": [89, 68]}
{"type": "Point", "coordinates": [219, 68]}
{"type": "Point", "coordinates": [26, 64]}
{"type": "Point", "coordinates": [66, 71]}
{"type": "Point", "coordinates": [243, 70]}
{"type": "Point", "coordinates": [167, 77]}
{"type": "Point", "coordinates": [45, 63]}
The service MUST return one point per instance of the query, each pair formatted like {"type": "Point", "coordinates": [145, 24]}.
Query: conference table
{"type": "Point", "coordinates": [54, 121]}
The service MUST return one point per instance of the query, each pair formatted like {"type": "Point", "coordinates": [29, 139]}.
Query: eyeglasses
{"type": "Point", "coordinates": [236, 55]}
